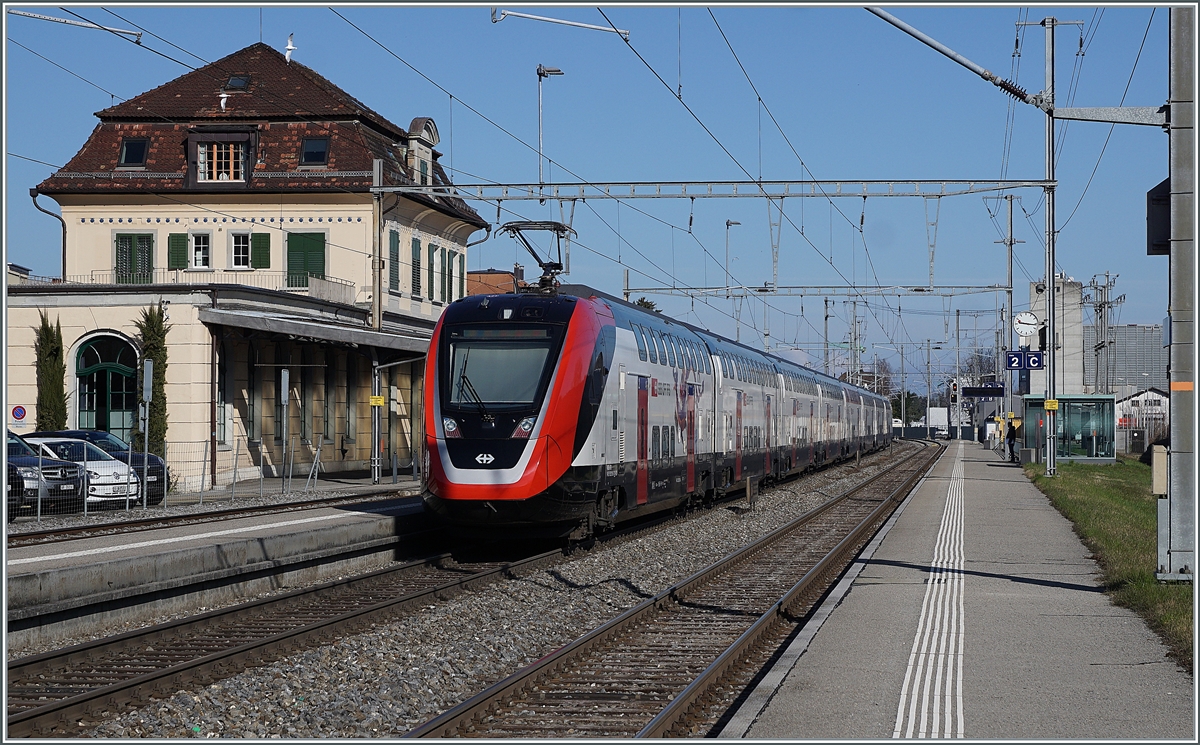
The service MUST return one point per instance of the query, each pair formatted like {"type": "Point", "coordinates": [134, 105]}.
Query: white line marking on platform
{"type": "Point", "coordinates": [178, 539]}
{"type": "Point", "coordinates": [937, 652]}
{"type": "Point", "coordinates": [770, 684]}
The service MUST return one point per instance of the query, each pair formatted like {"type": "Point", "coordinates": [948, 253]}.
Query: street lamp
{"type": "Point", "coordinates": [728, 224]}
{"type": "Point", "coordinates": [542, 72]}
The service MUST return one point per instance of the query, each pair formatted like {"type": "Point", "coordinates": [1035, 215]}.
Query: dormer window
{"type": "Point", "coordinates": [238, 83]}
{"type": "Point", "coordinates": [315, 151]}
{"type": "Point", "coordinates": [220, 161]}
{"type": "Point", "coordinates": [133, 151]}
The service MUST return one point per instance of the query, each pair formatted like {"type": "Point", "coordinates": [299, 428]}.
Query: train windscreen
{"type": "Point", "coordinates": [496, 367]}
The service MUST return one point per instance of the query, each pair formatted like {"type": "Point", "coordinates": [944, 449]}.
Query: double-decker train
{"type": "Point", "coordinates": [566, 412]}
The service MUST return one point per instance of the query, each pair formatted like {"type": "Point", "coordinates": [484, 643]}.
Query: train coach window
{"type": "Point", "coordinates": [641, 343]}
{"type": "Point", "coordinates": [650, 343]}
{"type": "Point", "coordinates": [670, 349]}
{"type": "Point", "coordinates": [654, 443]}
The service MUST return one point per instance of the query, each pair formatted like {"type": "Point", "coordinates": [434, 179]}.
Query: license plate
{"type": "Point", "coordinates": [152, 478]}
{"type": "Point", "coordinates": [67, 487]}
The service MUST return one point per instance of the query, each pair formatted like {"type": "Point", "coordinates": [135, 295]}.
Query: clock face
{"type": "Point", "coordinates": [1025, 323]}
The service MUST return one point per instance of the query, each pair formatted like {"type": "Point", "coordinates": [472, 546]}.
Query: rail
{"type": "Point", "coordinates": [550, 680]}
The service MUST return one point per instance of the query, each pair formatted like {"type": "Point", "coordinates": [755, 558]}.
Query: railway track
{"type": "Point", "coordinates": [64, 691]}
{"type": "Point", "coordinates": [59, 693]}
{"type": "Point", "coordinates": [62, 535]}
{"type": "Point", "coordinates": [50, 694]}
{"type": "Point", "coordinates": [654, 671]}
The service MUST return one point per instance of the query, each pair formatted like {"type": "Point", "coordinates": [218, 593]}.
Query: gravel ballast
{"type": "Point", "coordinates": [398, 674]}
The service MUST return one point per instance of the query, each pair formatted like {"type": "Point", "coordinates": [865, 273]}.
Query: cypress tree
{"type": "Point", "coordinates": [51, 376]}
{"type": "Point", "coordinates": [152, 332]}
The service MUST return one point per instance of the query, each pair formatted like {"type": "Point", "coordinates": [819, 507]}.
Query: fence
{"type": "Point", "coordinates": [244, 470]}
{"type": "Point", "coordinates": [326, 287]}
{"type": "Point", "coordinates": [243, 467]}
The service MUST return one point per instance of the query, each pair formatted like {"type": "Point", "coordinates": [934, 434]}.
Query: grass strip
{"type": "Point", "coordinates": [1116, 516]}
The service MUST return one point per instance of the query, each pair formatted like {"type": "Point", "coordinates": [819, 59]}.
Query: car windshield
{"type": "Point", "coordinates": [76, 451]}
{"type": "Point", "coordinates": [17, 447]}
{"type": "Point", "coordinates": [496, 367]}
{"type": "Point", "coordinates": [108, 442]}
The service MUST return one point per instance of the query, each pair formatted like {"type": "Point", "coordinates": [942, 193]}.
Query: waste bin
{"type": "Point", "coordinates": [1137, 441]}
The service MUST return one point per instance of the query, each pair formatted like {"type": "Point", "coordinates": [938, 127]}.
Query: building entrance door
{"type": "Point", "coordinates": [107, 372]}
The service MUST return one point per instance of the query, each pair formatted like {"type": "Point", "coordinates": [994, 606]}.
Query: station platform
{"type": "Point", "coordinates": [976, 612]}
{"type": "Point", "coordinates": [54, 589]}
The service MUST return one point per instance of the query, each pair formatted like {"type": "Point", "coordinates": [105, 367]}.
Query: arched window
{"type": "Point", "coordinates": [106, 367]}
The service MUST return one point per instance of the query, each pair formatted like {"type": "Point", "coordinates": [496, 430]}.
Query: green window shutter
{"type": "Point", "coordinates": [445, 274]}
{"type": "Point", "coordinates": [134, 259]}
{"type": "Point", "coordinates": [305, 256]}
{"type": "Point", "coordinates": [416, 267]}
{"type": "Point", "coordinates": [462, 275]}
{"type": "Point", "coordinates": [432, 261]}
{"type": "Point", "coordinates": [394, 261]}
{"type": "Point", "coordinates": [123, 261]}
{"type": "Point", "coordinates": [260, 251]}
{"type": "Point", "coordinates": [177, 246]}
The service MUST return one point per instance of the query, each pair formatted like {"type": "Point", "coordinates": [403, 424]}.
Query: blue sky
{"type": "Point", "coordinates": [855, 97]}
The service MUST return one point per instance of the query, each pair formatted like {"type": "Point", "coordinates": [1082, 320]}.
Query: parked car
{"type": "Point", "coordinates": [60, 482]}
{"type": "Point", "coordinates": [16, 490]}
{"type": "Point", "coordinates": [156, 481]}
{"type": "Point", "coordinates": [107, 481]}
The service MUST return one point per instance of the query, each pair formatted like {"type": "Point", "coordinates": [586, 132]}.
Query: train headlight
{"type": "Point", "coordinates": [523, 429]}
{"type": "Point", "coordinates": [451, 427]}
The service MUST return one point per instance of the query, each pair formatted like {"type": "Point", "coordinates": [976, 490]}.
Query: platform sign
{"type": "Point", "coordinates": [1034, 360]}
{"type": "Point", "coordinates": [148, 380]}
{"type": "Point", "coordinates": [1051, 404]}
{"type": "Point", "coordinates": [378, 401]}
{"type": "Point", "coordinates": [1014, 360]}
{"type": "Point", "coordinates": [983, 391]}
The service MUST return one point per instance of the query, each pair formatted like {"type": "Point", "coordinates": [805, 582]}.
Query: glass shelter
{"type": "Point", "coordinates": [1086, 424]}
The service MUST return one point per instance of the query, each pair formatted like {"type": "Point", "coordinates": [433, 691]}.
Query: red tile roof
{"type": "Point", "coordinates": [283, 105]}
{"type": "Point", "coordinates": [277, 90]}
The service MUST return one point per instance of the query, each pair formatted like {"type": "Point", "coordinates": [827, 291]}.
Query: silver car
{"type": "Point", "coordinates": [108, 480]}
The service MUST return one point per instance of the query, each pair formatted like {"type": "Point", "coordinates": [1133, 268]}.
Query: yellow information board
{"type": "Point", "coordinates": [1051, 404]}
{"type": "Point", "coordinates": [378, 401]}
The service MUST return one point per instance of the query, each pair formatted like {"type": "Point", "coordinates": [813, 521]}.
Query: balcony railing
{"type": "Point", "coordinates": [304, 283]}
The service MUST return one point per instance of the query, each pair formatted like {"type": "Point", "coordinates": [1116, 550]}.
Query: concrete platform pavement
{"type": "Point", "coordinates": [52, 590]}
{"type": "Point", "coordinates": [977, 614]}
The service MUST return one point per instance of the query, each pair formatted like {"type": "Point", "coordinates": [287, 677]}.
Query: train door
{"type": "Point", "coordinates": [737, 440]}
{"type": "Point", "coordinates": [794, 426]}
{"type": "Point", "coordinates": [617, 441]}
{"type": "Point", "coordinates": [691, 438]}
{"type": "Point", "coordinates": [643, 431]}
{"type": "Point", "coordinates": [768, 427]}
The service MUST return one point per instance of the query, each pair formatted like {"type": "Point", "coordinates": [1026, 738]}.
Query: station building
{"type": "Point", "coordinates": [238, 196]}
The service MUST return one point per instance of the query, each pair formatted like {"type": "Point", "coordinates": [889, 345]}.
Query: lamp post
{"type": "Point", "coordinates": [728, 224]}
{"type": "Point", "coordinates": [542, 72]}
